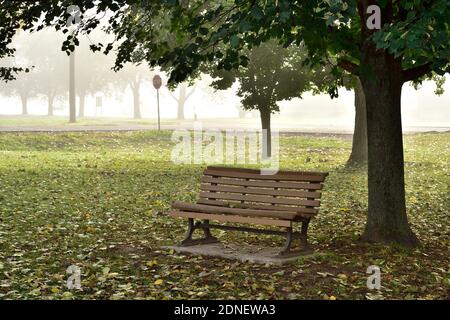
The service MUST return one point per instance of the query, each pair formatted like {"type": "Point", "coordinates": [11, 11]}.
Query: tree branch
{"type": "Point", "coordinates": [415, 73]}
{"type": "Point", "coordinates": [191, 92]}
{"type": "Point", "coordinates": [348, 66]}
{"type": "Point", "coordinates": [172, 95]}
{"type": "Point", "coordinates": [132, 84]}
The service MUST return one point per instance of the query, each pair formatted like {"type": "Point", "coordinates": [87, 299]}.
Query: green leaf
{"type": "Point", "coordinates": [234, 41]}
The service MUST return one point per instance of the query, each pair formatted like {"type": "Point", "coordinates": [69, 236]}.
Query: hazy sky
{"type": "Point", "coordinates": [421, 107]}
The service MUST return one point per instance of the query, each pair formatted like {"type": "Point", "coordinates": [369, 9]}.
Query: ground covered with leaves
{"type": "Point", "coordinates": [98, 201]}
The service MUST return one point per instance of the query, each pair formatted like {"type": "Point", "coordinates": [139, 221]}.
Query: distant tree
{"type": "Point", "coordinates": [49, 75]}
{"type": "Point", "coordinates": [358, 156]}
{"type": "Point", "coordinates": [133, 76]}
{"type": "Point", "coordinates": [182, 97]}
{"type": "Point", "coordinates": [273, 74]}
{"type": "Point", "coordinates": [26, 84]}
{"type": "Point", "coordinates": [135, 82]}
{"type": "Point", "coordinates": [93, 74]}
{"type": "Point", "coordinates": [51, 84]}
{"type": "Point", "coordinates": [25, 87]}
{"type": "Point", "coordinates": [50, 66]}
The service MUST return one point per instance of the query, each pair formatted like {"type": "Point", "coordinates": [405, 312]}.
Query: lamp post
{"type": "Point", "coordinates": [72, 97]}
{"type": "Point", "coordinates": [74, 18]}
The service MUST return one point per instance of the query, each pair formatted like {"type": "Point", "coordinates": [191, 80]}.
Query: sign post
{"type": "Point", "coordinates": [157, 82]}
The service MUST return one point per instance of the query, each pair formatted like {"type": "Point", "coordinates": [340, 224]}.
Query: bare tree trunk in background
{"type": "Point", "coordinates": [24, 99]}
{"type": "Point", "coordinates": [359, 146]}
{"type": "Point", "coordinates": [183, 96]}
{"type": "Point", "coordinates": [267, 135]}
{"type": "Point", "coordinates": [72, 96]}
{"type": "Point", "coordinates": [50, 99]}
{"type": "Point", "coordinates": [181, 101]}
{"type": "Point", "coordinates": [82, 103]}
{"type": "Point", "coordinates": [136, 102]}
{"type": "Point", "coordinates": [241, 111]}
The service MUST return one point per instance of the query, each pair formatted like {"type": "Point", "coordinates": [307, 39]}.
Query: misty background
{"type": "Point", "coordinates": [44, 91]}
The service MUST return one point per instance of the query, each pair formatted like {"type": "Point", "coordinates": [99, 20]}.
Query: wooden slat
{"type": "Point", "coordinates": [270, 192]}
{"type": "Point", "coordinates": [263, 184]}
{"type": "Point", "coordinates": [231, 218]}
{"type": "Point", "coordinates": [184, 206]}
{"type": "Point", "coordinates": [258, 171]}
{"type": "Point", "coordinates": [217, 203]}
{"type": "Point", "coordinates": [252, 198]}
{"type": "Point", "coordinates": [307, 211]}
{"type": "Point", "coordinates": [256, 176]}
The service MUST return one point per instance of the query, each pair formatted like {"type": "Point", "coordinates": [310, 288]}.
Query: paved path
{"type": "Point", "coordinates": [300, 130]}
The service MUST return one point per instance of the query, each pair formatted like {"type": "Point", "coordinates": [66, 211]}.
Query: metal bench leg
{"type": "Point", "coordinates": [291, 235]}
{"type": "Point", "coordinates": [287, 245]}
{"type": "Point", "coordinates": [207, 231]}
{"type": "Point", "coordinates": [188, 241]}
{"type": "Point", "coordinates": [304, 234]}
{"type": "Point", "coordinates": [190, 231]}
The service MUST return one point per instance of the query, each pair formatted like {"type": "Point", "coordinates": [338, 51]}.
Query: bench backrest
{"type": "Point", "coordinates": [248, 188]}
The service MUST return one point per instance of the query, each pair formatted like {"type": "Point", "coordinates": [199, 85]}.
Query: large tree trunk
{"type": "Point", "coordinates": [267, 135]}
{"type": "Point", "coordinates": [387, 221]}
{"type": "Point", "coordinates": [24, 100]}
{"type": "Point", "coordinates": [359, 146]}
{"type": "Point", "coordinates": [136, 103]}
{"type": "Point", "coordinates": [181, 101]}
{"type": "Point", "coordinates": [50, 100]}
{"type": "Point", "coordinates": [82, 103]}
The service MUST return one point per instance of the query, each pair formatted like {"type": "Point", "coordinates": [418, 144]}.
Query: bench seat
{"type": "Point", "coordinates": [246, 196]}
{"type": "Point", "coordinates": [274, 214]}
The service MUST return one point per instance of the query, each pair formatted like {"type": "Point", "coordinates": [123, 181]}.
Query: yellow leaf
{"type": "Point", "coordinates": [55, 290]}
{"type": "Point", "coordinates": [270, 289]}
{"type": "Point", "coordinates": [158, 282]}
{"type": "Point", "coordinates": [332, 298]}
{"type": "Point", "coordinates": [151, 263]}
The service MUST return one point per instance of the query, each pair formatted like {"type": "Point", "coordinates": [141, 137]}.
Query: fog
{"type": "Point", "coordinates": [420, 108]}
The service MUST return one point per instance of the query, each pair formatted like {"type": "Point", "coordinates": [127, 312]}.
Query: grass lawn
{"type": "Point", "coordinates": [97, 200]}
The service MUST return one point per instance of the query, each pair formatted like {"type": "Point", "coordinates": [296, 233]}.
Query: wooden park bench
{"type": "Point", "coordinates": [245, 196]}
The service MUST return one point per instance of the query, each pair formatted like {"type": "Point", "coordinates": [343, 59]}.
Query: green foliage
{"type": "Point", "coordinates": [181, 38]}
{"type": "Point", "coordinates": [97, 200]}
{"type": "Point", "coordinates": [273, 74]}
{"type": "Point", "coordinates": [438, 80]}
{"type": "Point", "coordinates": [420, 36]}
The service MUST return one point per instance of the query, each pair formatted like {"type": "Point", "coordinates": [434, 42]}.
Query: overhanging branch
{"type": "Point", "coordinates": [348, 66]}
{"type": "Point", "coordinates": [417, 72]}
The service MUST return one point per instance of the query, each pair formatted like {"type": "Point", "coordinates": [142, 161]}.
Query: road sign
{"type": "Point", "coordinates": [157, 82]}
